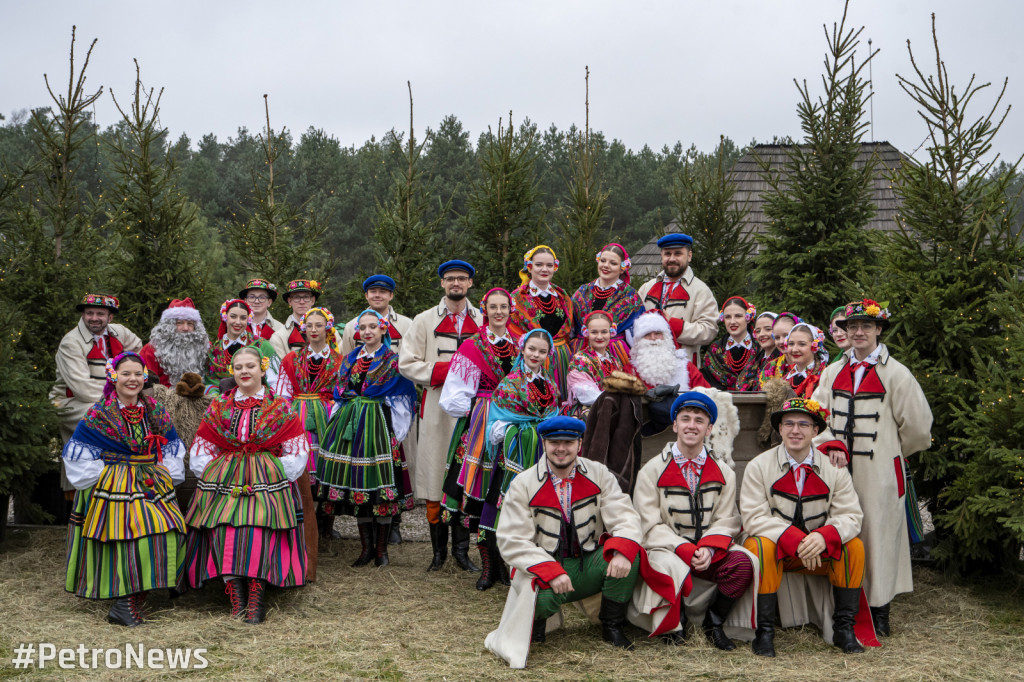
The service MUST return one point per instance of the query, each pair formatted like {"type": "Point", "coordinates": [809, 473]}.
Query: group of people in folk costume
{"type": "Point", "coordinates": [300, 426]}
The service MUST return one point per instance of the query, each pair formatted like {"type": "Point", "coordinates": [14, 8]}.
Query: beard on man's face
{"type": "Point", "coordinates": [456, 296]}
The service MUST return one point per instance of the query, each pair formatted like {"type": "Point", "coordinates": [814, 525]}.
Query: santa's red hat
{"type": "Point", "coordinates": [651, 321]}
{"type": "Point", "coordinates": [181, 309]}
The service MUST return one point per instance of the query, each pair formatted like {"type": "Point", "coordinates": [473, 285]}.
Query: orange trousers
{"type": "Point", "coordinates": [847, 571]}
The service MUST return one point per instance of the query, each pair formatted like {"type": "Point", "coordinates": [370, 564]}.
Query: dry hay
{"type": "Point", "coordinates": [401, 623]}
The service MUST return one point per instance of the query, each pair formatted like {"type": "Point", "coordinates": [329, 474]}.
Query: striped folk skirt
{"type": "Point", "coordinates": [521, 450]}
{"type": "Point", "coordinates": [245, 520]}
{"type": "Point", "coordinates": [361, 470]}
{"type": "Point", "coordinates": [469, 468]}
{"type": "Point", "coordinates": [126, 534]}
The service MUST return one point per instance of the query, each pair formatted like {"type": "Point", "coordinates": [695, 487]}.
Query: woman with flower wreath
{"type": "Point", "coordinates": [539, 304]}
{"type": "Point", "coordinates": [361, 470]}
{"type": "Point", "coordinates": [733, 361]}
{"type": "Point", "coordinates": [593, 362]}
{"type": "Point", "coordinates": [523, 399]}
{"type": "Point", "coordinates": [246, 515]}
{"type": "Point", "coordinates": [612, 293]}
{"type": "Point", "coordinates": [838, 334]}
{"type": "Point", "coordinates": [803, 359]}
{"type": "Point", "coordinates": [126, 535]}
{"type": "Point", "coordinates": [307, 380]}
{"type": "Point", "coordinates": [234, 333]}
{"type": "Point", "coordinates": [765, 339]}
{"type": "Point", "coordinates": [480, 364]}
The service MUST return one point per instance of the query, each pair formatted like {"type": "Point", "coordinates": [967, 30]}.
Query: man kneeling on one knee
{"type": "Point", "coordinates": [554, 530]}
{"type": "Point", "coordinates": [802, 515]}
{"type": "Point", "coordinates": [687, 506]}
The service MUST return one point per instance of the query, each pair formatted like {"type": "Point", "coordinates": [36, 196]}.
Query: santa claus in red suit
{"type": "Point", "coordinates": [177, 344]}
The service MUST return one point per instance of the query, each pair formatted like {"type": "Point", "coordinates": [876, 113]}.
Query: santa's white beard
{"type": "Point", "coordinates": [179, 352]}
{"type": "Point", "coordinates": [654, 360]}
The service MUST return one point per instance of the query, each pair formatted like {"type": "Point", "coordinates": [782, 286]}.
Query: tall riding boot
{"type": "Point", "coordinates": [439, 543]}
{"type": "Point", "coordinates": [325, 527]}
{"type": "Point", "coordinates": [383, 535]}
{"type": "Point", "coordinates": [255, 611]}
{"type": "Point", "coordinates": [847, 601]}
{"type": "Point", "coordinates": [880, 618]}
{"type": "Point", "coordinates": [764, 635]}
{"type": "Point", "coordinates": [540, 628]}
{"type": "Point", "coordinates": [460, 546]}
{"type": "Point", "coordinates": [677, 637]}
{"type": "Point", "coordinates": [613, 617]}
{"type": "Point", "coordinates": [123, 612]}
{"type": "Point", "coordinates": [501, 569]}
{"type": "Point", "coordinates": [396, 531]}
{"type": "Point", "coordinates": [238, 595]}
{"type": "Point", "coordinates": [366, 539]}
{"type": "Point", "coordinates": [487, 570]}
{"type": "Point", "coordinates": [714, 621]}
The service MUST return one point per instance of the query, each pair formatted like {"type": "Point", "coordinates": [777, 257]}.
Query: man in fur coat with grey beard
{"type": "Point", "coordinates": [665, 369]}
{"type": "Point", "coordinates": [178, 344]}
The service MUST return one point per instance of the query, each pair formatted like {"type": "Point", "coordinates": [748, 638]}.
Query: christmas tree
{"type": "Point", "coordinates": [946, 273]}
{"type": "Point", "coordinates": [703, 200]}
{"type": "Point", "coordinates": [819, 203]}
{"type": "Point", "coordinates": [156, 260]}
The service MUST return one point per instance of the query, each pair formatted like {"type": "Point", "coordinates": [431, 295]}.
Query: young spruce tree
{"type": "Point", "coordinates": [819, 203]}
{"type": "Point", "coordinates": [956, 317]}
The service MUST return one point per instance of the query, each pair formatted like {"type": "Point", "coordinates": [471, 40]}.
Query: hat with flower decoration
{"type": "Point", "coordinates": [310, 286]}
{"type": "Point", "coordinates": [99, 301]}
{"type": "Point", "coordinates": [811, 408]}
{"type": "Point", "coordinates": [259, 284]}
{"type": "Point", "coordinates": [866, 309]}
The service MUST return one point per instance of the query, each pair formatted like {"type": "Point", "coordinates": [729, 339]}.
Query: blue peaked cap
{"type": "Point", "coordinates": [561, 428]}
{"type": "Point", "coordinates": [697, 400]}
{"type": "Point", "coordinates": [455, 265]}
{"type": "Point", "coordinates": [382, 281]}
{"type": "Point", "coordinates": [675, 240]}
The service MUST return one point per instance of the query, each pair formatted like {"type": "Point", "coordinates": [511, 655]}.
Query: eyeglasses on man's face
{"type": "Point", "coordinates": [257, 298]}
{"type": "Point", "coordinates": [802, 425]}
{"type": "Point", "coordinates": [455, 279]}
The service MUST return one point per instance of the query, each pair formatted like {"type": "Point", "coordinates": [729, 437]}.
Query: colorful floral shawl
{"type": "Point", "coordinates": [717, 370]}
{"type": "Point", "coordinates": [779, 368]}
{"type": "Point", "coordinates": [275, 424]}
{"type": "Point", "coordinates": [525, 312]}
{"type": "Point", "coordinates": [382, 380]}
{"type": "Point", "coordinates": [624, 305]}
{"type": "Point", "coordinates": [511, 402]}
{"type": "Point", "coordinates": [103, 433]}
{"type": "Point", "coordinates": [321, 382]}
{"type": "Point", "coordinates": [476, 357]}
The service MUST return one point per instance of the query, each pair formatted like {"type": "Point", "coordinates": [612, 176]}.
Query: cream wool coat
{"type": "Point", "coordinates": [829, 502]}
{"type": "Point", "coordinates": [667, 515]}
{"type": "Point", "coordinates": [527, 536]}
{"type": "Point", "coordinates": [83, 378]}
{"type": "Point", "coordinates": [891, 420]}
{"type": "Point", "coordinates": [422, 347]}
{"type": "Point", "coordinates": [279, 341]}
{"type": "Point", "coordinates": [699, 314]}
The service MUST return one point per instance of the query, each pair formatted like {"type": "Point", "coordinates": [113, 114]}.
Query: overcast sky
{"type": "Point", "coordinates": [660, 71]}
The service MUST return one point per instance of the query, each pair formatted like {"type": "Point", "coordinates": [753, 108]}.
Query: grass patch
{"type": "Point", "coordinates": [402, 623]}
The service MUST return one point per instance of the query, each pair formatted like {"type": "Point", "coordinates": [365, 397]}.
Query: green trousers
{"type": "Point", "coordinates": [587, 573]}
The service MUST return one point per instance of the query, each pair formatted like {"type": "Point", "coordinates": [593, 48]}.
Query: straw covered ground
{"type": "Point", "coordinates": [401, 623]}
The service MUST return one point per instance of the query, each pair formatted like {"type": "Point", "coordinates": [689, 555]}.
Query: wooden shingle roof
{"type": "Point", "coordinates": [751, 187]}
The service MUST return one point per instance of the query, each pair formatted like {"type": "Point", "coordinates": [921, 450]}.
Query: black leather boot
{"type": "Point", "coordinates": [383, 535]}
{"type": "Point", "coordinates": [714, 621]}
{"type": "Point", "coordinates": [123, 612]}
{"type": "Point", "coordinates": [613, 618]}
{"type": "Point", "coordinates": [487, 570]}
{"type": "Point", "coordinates": [255, 611]}
{"type": "Point", "coordinates": [502, 569]}
{"type": "Point", "coordinates": [847, 601]}
{"type": "Point", "coordinates": [677, 637]}
{"type": "Point", "coordinates": [880, 618]}
{"type": "Point", "coordinates": [396, 531]}
{"type": "Point", "coordinates": [366, 539]}
{"type": "Point", "coordinates": [237, 594]}
{"type": "Point", "coordinates": [539, 633]}
{"type": "Point", "coordinates": [764, 635]}
{"type": "Point", "coordinates": [439, 543]}
{"type": "Point", "coordinates": [460, 546]}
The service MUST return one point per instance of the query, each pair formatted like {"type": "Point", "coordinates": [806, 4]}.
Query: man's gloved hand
{"type": "Point", "coordinates": [661, 391]}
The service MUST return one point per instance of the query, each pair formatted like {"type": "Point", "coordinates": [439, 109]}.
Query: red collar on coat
{"type": "Point", "coordinates": [678, 295]}
{"type": "Point", "coordinates": [869, 385]}
{"type": "Point", "coordinates": [447, 327]}
{"type": "Point", "coordinates": [813, 486]}
{"type": "Point", "coordinates": [114, 349]}
{"type": "Point", "coordinates": [582, 488]}
{"type": "Point", "coordinates": [672, 476]}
